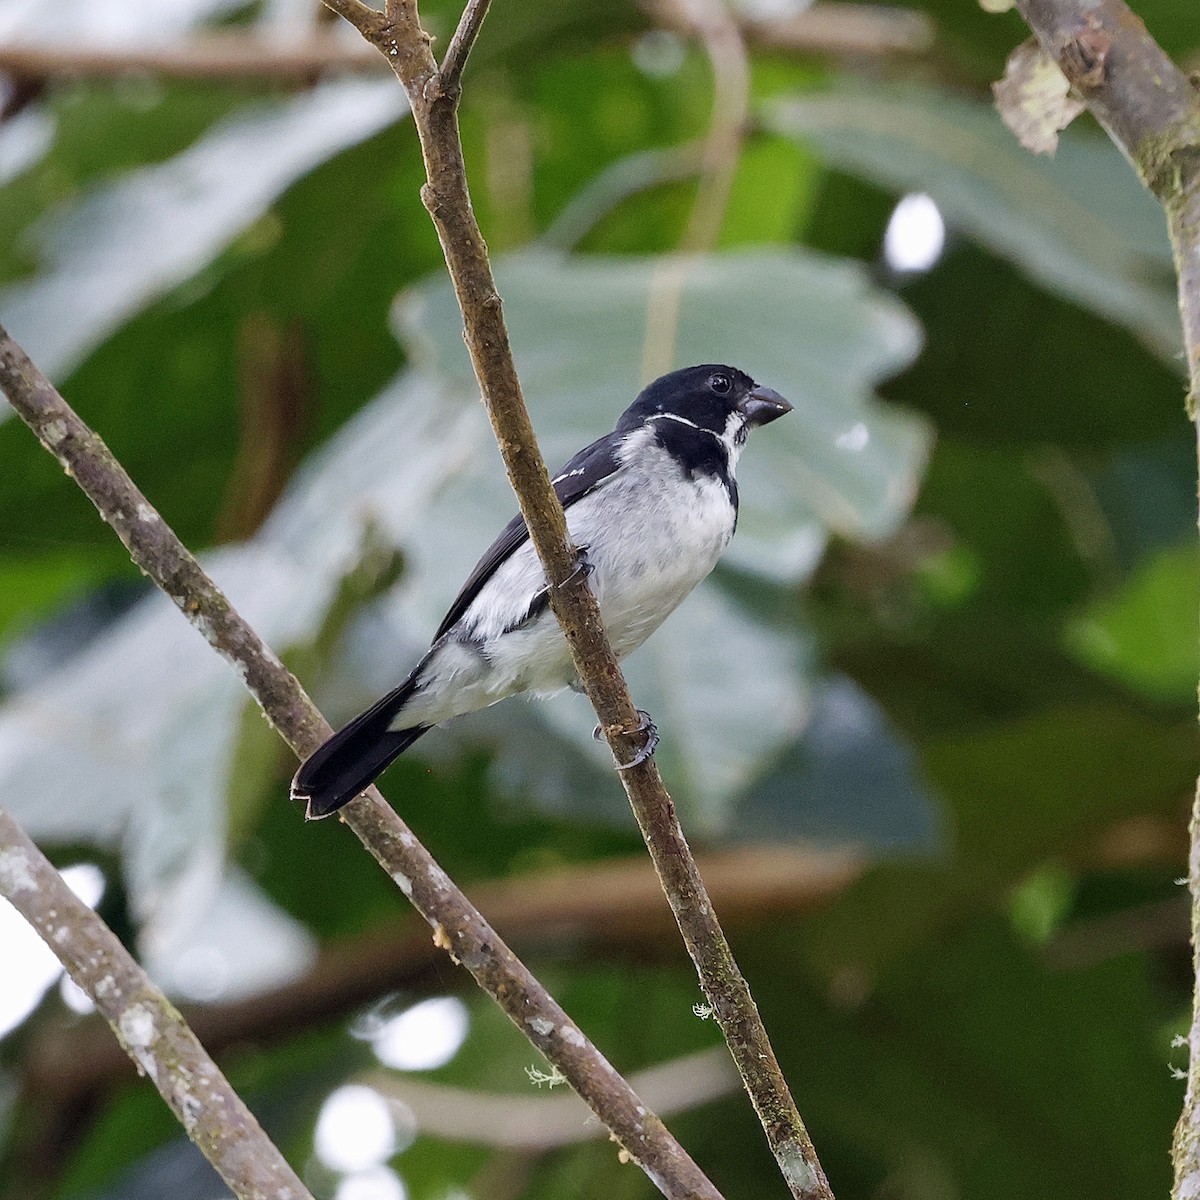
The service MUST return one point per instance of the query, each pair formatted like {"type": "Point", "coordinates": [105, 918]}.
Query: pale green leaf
{"type": "Point", "coordinates": [131, 241]}
{"type": "Point", "coordinates": [1080, 223]}
{"type": "Point", "coordinates": [811, 327]}
{"type": "Point", "coordinates": [138, 731]}
{"type": "Point", "coordinates": [1145, 633]}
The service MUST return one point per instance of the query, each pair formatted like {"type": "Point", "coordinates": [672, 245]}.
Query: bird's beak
{"type": "Point", "coordinates": [764, 404]}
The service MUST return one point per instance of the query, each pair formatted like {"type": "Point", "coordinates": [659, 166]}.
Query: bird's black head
{"type": "Point", "coordinates": [719, 399]}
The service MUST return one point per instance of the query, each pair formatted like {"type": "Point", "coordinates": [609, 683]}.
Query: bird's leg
{"type": "Point", "coordinates": [583, 567]}
{"type": "Point", "coordinates": [541, 599]}
{"type": "Point", "coordinates": [645, 725]}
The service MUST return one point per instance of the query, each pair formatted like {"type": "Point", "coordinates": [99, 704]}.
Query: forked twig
{"type": "Point", "coordinates": [460, 44]}
{"type": "Point", "coordinates": [446, 195]}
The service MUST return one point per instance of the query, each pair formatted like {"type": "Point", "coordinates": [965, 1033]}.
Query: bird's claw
{"type": "Point", "coordinates": [583, 568]}
{"type": "Point", "coordinates": [645, 725]}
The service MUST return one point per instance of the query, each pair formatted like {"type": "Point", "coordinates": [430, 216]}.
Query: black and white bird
{"type": "Point", "coordinates": [651, 506]}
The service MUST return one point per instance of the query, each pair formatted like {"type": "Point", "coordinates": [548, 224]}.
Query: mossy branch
{"type": "Point", "coordinates": [146, 1023]}
{"type": "Point", "coordinates": [1151, 110]}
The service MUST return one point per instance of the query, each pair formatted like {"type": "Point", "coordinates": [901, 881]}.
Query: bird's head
{"type": "Point", "coordinates": [719, 399]}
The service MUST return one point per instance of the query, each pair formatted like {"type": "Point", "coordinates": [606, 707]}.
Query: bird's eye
{"type": "Point", "coordinates": [719, 384]}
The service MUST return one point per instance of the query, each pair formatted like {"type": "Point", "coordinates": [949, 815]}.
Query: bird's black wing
{"type": "Point", "coordinates": [589, 468]}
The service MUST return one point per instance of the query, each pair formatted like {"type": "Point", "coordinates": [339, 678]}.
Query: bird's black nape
{"type": "Point", "coordinates": [704, 394]}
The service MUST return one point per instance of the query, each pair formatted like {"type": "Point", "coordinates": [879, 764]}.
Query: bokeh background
{"type": "Point", "coordinates": [931, 725]}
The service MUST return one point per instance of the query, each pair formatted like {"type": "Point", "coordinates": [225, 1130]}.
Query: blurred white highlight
{"type": "Point", "coordinates": [379, 1183]}
{"type": "Point", "coordinates": [425, 1036]}
{"type": "Point", "coordinates": [916, 234]}
{"type": "Point", "coordinates": [30, 968]}
{"type": "Point", "coordinates": [854, 439]}
{"type": "Point", "coordinates": [354, 1130]}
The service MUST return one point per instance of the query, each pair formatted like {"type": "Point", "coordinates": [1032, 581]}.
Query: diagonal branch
{"type": "Point", "coordinates": [1151, 110]}
{"type": "Point", "coordinates": [370, 22]}
{"type": "Point", "coordinates": [146, 1023]}
{"type": "Point", "coordinates": [446, 195]}
{"type": "Point", "coordinates": [458, 926]}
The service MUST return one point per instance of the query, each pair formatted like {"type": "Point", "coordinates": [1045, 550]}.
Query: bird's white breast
{"type": "Point", "coordinates": [676, 528]}
{"type": "Point", "coordinates": [651, 533]}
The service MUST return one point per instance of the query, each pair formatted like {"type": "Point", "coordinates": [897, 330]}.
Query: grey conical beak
{"type": "Point", "coordinates": [764, 404]}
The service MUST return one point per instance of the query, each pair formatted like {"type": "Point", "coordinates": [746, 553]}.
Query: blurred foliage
{"type": "Point", "coordinates": [955, 635]}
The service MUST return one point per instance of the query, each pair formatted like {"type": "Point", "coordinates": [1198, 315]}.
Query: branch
{"type": "Point", "coordinates": [145, 1022]}
{"type": "Point", "coordinates": [845, 30]}
{"type": "Point", "coordinates": [1151, 111]}
{"type": "Point", "coordinates": [545, 1122]}
{"type": "Point", "coordinates": [370, 22]}
{"type": "Point", "coordinates": [713, 23]}
{"type": "Point", "coordinates": [211, 55]}
{"type": "Point", "coordinates": [458, 926]}
{"type": "Point", "coordinates": [828, 29]}
{"type": "Point", "coordinates": [445, 194]}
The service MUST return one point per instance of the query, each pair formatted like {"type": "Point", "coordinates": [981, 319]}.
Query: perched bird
{"type": "Point", "coordinates": [651, 507]}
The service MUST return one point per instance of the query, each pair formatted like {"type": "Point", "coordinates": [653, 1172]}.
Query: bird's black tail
{"type": "Point", "coordinates": [351, 760]}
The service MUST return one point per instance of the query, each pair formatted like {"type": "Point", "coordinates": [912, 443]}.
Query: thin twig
{"type": "Point", "coordinates": [460, 44]}
{"type": "Point", "coordinates": [242, 53]}
{"type": "Point", "coordinates": [713, 23]}
{"type": "Point", "coordinates": [458, 926]}
{"type": "Point", "coordinates": [549, 1120]}
{"type": "Point", "coordinates": [1151, 110]}
{"type": "Point", "coordinates": [447, 197]}
{"type": "Point", "coordinates": [215, 54]}
{"type": "Point", "coordinates": [145, 1022]}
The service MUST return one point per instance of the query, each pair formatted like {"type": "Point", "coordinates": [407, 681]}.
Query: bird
{"type": "Point", "coordinates": [650, 508]}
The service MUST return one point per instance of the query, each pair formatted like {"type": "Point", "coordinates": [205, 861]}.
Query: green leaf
{"type": "Point", "coordinates": [142, 755]}
{"type": "Point", "coordinates": [1006, 363]}
{"type": "Point", "coordinates": [975, 1069]}
{"type": "Point", "coordinates": [133, 240]}
{"type": "Point", "coordinates": [849, 778]}
{"type": "Point", "coordinates": [1144, 634]}
{"type": "Point", "coordinates": [1020, 793]}
{"type": "Point", "coordinates": [1080, 224]}
{"type": "Point", "coordinates": [179, 374]}
{"type": "Point", "coordinates": [32, 585]}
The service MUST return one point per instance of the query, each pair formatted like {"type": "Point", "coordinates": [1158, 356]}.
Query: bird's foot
{"type": "Point", "coordinates": [583, 568]}
{"type": "Point", "coordinates": [645, 725]}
